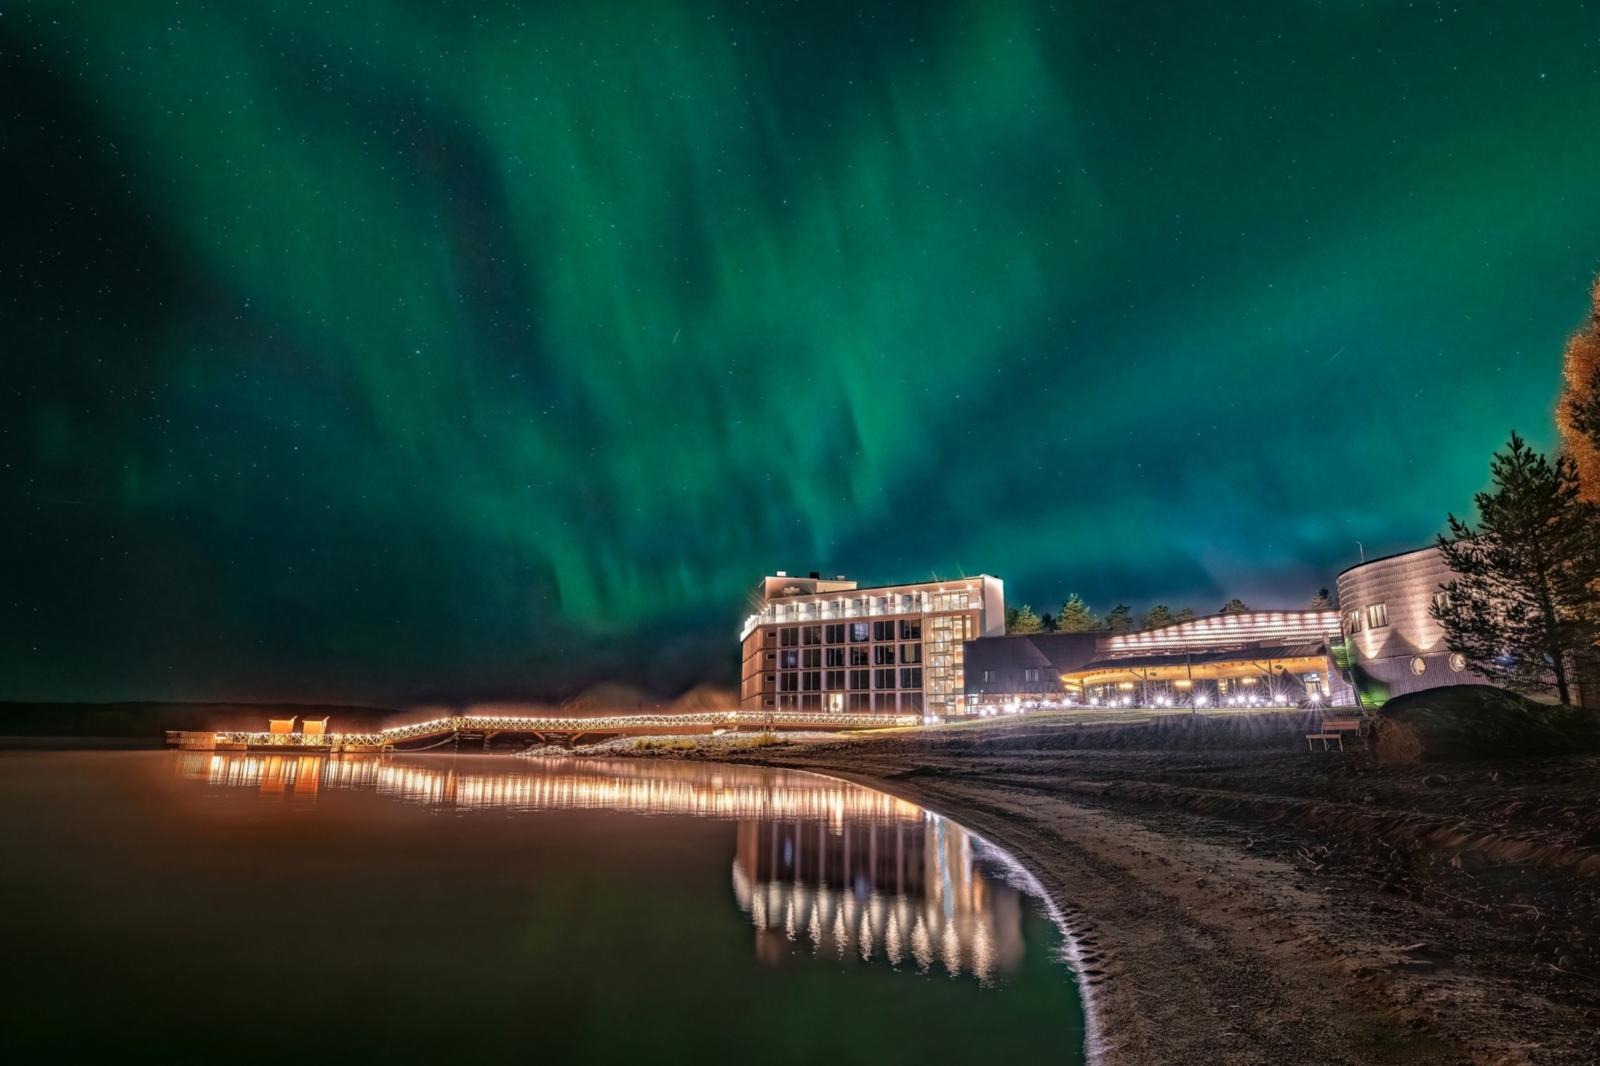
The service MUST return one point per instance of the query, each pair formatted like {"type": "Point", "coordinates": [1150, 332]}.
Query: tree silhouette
{"type": "Point", "coordinates": [1159, 615]}
{"type": "Point", "coordinates": [1521, 608]}
{"type": "Point", "coordinates": [1021, 620]}
{"type": "Point", "coordinates": [1075, 616]}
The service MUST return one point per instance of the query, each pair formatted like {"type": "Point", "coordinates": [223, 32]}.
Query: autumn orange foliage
{"type": "Point", "coordinates": [1583, 386]}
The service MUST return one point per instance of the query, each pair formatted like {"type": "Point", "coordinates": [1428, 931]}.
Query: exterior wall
{"type": "Point", "coordinates": [1002, 667]}
{"type": "Point", "coordinates": [1405, 651]}
{"type": "Point", "coordinates": [1174, 663]}
{"type": "Point", "coordinates": [838, 647]}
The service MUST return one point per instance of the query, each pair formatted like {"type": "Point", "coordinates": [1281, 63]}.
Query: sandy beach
{"type": "Point", "coordinates": [1240, 900]}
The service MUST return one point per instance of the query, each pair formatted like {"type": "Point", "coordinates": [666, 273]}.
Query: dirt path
{"type": "Point", "coordinates": [1248, 906]}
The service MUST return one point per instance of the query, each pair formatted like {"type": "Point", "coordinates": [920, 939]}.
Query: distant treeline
{"type": "Point", "coordinates": [1075, 616]}
{"type": "Point", "coordinates": [153, 719]}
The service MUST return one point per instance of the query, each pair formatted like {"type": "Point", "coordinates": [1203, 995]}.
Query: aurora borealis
{"type": "Point", "coordinates": [396, 350]}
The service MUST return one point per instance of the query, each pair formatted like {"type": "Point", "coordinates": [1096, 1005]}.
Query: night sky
{"type": "Point", "coordinates": [389, 351]}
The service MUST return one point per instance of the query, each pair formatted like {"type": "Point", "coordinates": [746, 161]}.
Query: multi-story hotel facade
{"type": "Point", "coordinates": [827, 644]}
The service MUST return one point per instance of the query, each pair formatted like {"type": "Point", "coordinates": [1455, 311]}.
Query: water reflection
{"type": "Point", "coordinates": [629, 786]}
{"type": "Point", "coordinates": [821, 867]}
{"type": "Point", "coordinates": [914, 894]}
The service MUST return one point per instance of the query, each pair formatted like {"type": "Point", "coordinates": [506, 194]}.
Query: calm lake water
{"type": "Point", "coordinates": [229, 906]}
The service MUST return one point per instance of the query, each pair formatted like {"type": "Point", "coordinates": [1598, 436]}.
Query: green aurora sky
{"type": "Point", "coordinates": [388, 351]}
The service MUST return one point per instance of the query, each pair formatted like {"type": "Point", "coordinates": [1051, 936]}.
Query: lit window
{"type": "Point", "coordinates": [988, 675]}
{"type": "Point", "coordinates": [860, 631]}
{"type": "Point", "coordinates": [1031, 674]}
{"type": "Point", "coordinates": [1377, 615]}
{"type": "Point", "coordinates": [911, 653]}
{"type": "Point", "coordinates": [1419, 665]}
{"type": "Point", "coordinates": [1352, 621]}
{"type": "Point", "coordinates": [1441, 601]}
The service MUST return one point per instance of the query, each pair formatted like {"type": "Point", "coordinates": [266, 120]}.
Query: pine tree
{"type": "Point", "coordinates": [1579, 412]}
{"type": "Point", "coordinates": [1020, 620]}
{"type": "Point", "coordinates": [1120, 618]}
{"type": "Point", "coordinates": [1321, 601]}
{"type": "Point", "coordinates": [1075, 616]}
{"type": "Point", "coordinates": [1185, 614]}
{"type": "Point", "coordinates": [1521, 608]}
{"type": "Point", "coordinates": [1235, 606]}
{"type": "Point", "coordinates": [1159, 615]}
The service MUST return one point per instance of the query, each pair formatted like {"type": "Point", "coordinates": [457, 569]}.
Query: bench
{"type": "Point", "coordinates": [1334, 729]}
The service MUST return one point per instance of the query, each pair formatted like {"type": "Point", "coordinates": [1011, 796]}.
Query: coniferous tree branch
{"type": "Point", "coordinates": [1520, 608]}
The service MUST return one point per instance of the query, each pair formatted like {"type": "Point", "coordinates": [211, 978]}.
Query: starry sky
{"type": "Point", "coordinates": [392, 351]}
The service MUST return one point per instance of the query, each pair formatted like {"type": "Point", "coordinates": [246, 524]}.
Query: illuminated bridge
{"type": "Point", "coordinates": [543, 728]}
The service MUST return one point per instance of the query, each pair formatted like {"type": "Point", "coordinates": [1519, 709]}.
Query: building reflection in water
{"type": "Point", "coordinates": [911, 894]}
{"type": "Point", "coordinates": [820, 865]}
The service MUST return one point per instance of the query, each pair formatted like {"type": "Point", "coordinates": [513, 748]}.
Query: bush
{"type": "Point", "coordinates": [1476, 722]}
{"type": "Point", "coordinates": [754, 740]}
{"type": "Point", "coordinates": [665, 744]}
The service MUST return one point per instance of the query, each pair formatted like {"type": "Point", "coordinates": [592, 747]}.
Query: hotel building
{"type": "Point", "coordinates": [817, 643]}
{"type": "Point", "coordinates": [1250, 658]}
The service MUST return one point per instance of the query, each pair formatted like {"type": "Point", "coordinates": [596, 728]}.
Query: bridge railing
{"type": "Point", "coordinates": [477, 723]}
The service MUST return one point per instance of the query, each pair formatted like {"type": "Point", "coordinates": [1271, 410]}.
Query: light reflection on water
{"type": "Point", "coordinates": [833, 868]}
{"type": "Point", "coordinates": [633, 787]}
{"type": "Point", "coordinates": [491, 909]}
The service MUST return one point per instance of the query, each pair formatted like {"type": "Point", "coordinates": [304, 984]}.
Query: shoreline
{"type": "Point", "coordinates": [1218, 917]}
{"type": "Point", "coordinates": [69, 742]}
{"type": "Point", "coordinates": [1228, 898]}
